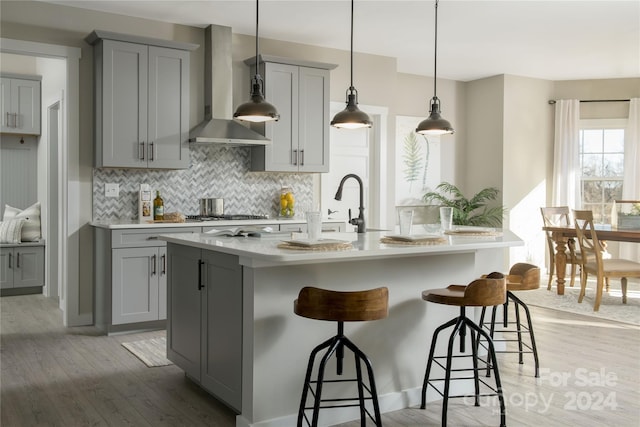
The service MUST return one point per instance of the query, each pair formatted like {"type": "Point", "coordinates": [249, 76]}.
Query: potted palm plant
{"type": "Point", "coordinates": [473, 211]}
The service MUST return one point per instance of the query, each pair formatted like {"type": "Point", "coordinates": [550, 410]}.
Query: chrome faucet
{"type": "Point", "coordinates": [359, 222]}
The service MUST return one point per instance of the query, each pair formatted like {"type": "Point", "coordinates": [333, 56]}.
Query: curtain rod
{"type": "Point", "coordinates": [553, 101]}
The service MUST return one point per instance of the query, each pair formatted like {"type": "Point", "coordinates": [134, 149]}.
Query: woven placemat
{"type": "Point", "coordinates": [332, 247]}
{"type": "Point", "coordinates": [421, 242]}
{"type": "Point", "coordinates": [472, 233]}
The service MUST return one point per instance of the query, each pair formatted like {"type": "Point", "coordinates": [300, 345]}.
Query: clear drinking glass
{"type": "Point", "coordinates": [314, 224]}
{"type": "Point", "coordinates": [446, 218]}
{"type": "Point", "coordinates": [406, 221]}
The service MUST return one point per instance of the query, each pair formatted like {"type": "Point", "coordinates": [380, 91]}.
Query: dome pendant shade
{"type": "Point", "coordinates": [351, 117]}
{"type": "Point", "coordinates": [434, 124]}
{"type": "Point", "coordinates": [256, 110]}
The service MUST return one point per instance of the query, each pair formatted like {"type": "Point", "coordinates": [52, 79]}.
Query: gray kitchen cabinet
{"type": "Point", "coordinates": [20, 104]}
{"type": "Point", "coordinates": [204, 329]}
{"type": "Point", "coordinates": [131, 278]}
{"type": "Point", "coordinates": [138, 281]}
{"type": "Point", "coordinates": [21, 266]}
{"type": "Point", "coordinates": [142, 101]}
{"type": "Point", "coordinates": [300, 139]}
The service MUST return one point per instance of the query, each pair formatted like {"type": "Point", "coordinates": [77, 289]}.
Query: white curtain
{"type": "Point", "coordinates": [566, 155]}
{"type": "Point", "coordinates": [631, 183]}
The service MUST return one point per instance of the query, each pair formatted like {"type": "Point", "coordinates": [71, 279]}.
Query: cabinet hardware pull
{"type": "Point", "coordinates": [301, 157]}
{"type": "Point", "coordinates": [295, 157]}
{"type": "Point", "coordinates": [141, 151]}
{"type": "Point", "coordinates": [153, 265]}
{"type": "Point", "coordinates": [152, 238]}
{"type": "Point", "coordinates": [18, 260]}
{"type": "Point", "coordinates": [15, 120]}
{"type": "Point", "coordinates": [8, 124]}
{"type": "Point", "coordinates": [164, 264]}
{"type": "Point", "coordinates": [200, 264]}
{"type": "Point", "coordinates": [10, 260]}
{"type": "Point", "coordinates": [152, 155]}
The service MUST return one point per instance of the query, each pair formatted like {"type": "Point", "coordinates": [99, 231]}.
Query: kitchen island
{"type": "Point", "coordinates": [231, 325]}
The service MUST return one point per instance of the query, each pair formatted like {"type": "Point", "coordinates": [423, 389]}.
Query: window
{"type": "Point", "coordinates": [601, 165]}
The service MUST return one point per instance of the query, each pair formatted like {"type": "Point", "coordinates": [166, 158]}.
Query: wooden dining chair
{"type": "Point", "coordinates": [558, 216]}
{"type": "Point", "coordinates": [594, 263]}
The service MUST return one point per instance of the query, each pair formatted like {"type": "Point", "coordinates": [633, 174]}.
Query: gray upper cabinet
{"type": "Point", "coordinates": [20, 106]}
{"type": "Point", "coordinates": [300, 139]}
{"type": "Point", "coordinates": [142, 102]}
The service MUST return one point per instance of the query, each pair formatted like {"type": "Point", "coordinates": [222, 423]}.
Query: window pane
{"type": "Point", "coordinates": [592, 165]}
{"type": "Point", "coordinates": [612, 191]}
{"type": "Point", "coordinates": [613, 165]}
{"type": "Point", "coordinates": [592, 141]}
{"type": "Point", "coordinates": [614, 140]}
{"type": "Point", "coordinates": [592, 192]}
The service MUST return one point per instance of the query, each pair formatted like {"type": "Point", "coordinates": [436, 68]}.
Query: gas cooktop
{"type": "Point", "coordinates": [229, 217]}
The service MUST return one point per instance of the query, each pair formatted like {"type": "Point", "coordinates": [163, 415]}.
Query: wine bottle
{"type": "Point", "coordinates": [158, 207]}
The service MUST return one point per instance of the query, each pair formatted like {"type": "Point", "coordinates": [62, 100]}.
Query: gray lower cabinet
{"type": "Point", "coordinates": [139, 285]}
{"type": "Point", "coordinates": [21, 266]}
{"type": "Point", "coordinates": [204, 328]}
{"type": "Point", "coordinates": [131, 278]}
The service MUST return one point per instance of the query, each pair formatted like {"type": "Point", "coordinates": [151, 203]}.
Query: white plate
{"type": "Point", "coordinates": [414, 237]}
{"type": "Point", "coordinates": [307, 243]}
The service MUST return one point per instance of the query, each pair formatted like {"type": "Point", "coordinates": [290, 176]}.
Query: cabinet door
{"type": "Point", "coordinates": [6, 268]}
{"type": "Point", "coordinates": [20, 106]}
{"type": "Point", "coordinates": [222, 328]}
{"type": "Point", "coordinates": [281, 90]}
{"type": "Point", "coordinates": [124, 104]}
{"type": "Point", "coordinates": [314, 120]}
{"type": "Point", "coordinates": [183, 305]}
{"type": "Point", "coordinates": [5, 106]}
{"type": "Point", "coordinates": [28, 266]}
{"type": "Point", "coordinates": [134, 285]}
{"type": "Point", "coordinates": [162, 283]}
{"type": "Point", "coordinates": [168, 127]}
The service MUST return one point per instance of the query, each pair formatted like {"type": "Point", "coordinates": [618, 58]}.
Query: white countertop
{"type": "Point", "coordinates": [264, 251]}
{"type": "Point", "coordinates": [125, 224]}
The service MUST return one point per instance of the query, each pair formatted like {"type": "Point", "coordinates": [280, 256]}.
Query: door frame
{"type": "Point", "coordinates": [69, 185]}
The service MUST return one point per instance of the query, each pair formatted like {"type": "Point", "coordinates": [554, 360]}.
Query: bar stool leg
{"type": "Point", "coordinates": [447, 377]}
{"type": "Point", "coordinates": [430, 359]}
{"type": "Point", "coordinates": [532, 337]}
{"type": "Point", "coordinates": [496, 373]}
{"type": "Point", "coordinates": [361, 357]}
{"type": "Point", "coordinates": [518, 328]}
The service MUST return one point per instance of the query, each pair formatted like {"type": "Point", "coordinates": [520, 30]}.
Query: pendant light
{"type": "Point", "coordinates": [435, 124]}
{"type": "Point", "coordinates": [351, 117]}
{"type": "Point", "coordinates": [257, 109]}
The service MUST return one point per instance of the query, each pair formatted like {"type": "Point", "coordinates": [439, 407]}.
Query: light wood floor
{"type": "Point", "coordinates": [56, 376]}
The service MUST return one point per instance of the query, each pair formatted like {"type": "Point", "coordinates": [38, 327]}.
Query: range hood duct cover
{"type": "Point", "coordinates": [218, 126]}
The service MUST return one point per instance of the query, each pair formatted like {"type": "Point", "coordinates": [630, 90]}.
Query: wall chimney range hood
{"type": "Point", "coordinates": [218, 126]}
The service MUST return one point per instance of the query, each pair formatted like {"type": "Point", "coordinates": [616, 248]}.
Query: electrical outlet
{"type": "Point", "coordinates": [111, 190]}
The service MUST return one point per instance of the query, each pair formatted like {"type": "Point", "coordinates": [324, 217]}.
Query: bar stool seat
{"type": "Point", "coordinates": [521, 277]}
{"type": "Point", "coordinates": [485, 292]}
{"type": "Point", "coordinates": [340, 307]}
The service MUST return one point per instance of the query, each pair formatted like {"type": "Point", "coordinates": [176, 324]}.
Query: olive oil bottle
{"type": "Point", "coordinates": [158, 207]}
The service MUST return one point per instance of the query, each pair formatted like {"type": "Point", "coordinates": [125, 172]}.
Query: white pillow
{"type": "Point", "coordinates": [11, 230]}
{"type": "Point", "coordinates": [31, 228]}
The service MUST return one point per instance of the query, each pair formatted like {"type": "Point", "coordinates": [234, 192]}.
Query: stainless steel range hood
{"type": "Point", "coordinates": [218, 126]}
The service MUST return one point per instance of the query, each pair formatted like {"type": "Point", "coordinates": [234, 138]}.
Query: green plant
{"type": "Point", "coordinates": [473, 211]}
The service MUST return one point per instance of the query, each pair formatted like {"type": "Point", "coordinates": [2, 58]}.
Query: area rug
{"type": "Point", "coordinates": [153, 352]}
{"type": "Point", "coordinates": [611, 306]}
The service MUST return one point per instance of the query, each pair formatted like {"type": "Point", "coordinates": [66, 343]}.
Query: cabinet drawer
{"type": "Point", "coordinates": [136, 238]}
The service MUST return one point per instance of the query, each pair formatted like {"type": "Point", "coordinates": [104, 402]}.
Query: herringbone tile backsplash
{"type": "Point", "coordinates": [215, 171]}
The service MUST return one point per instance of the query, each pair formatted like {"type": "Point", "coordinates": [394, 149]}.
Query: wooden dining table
{"type": "Point", "coordinates": [561, 236]}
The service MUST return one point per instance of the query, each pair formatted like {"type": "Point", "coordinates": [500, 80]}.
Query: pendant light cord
{"type": "Point", "coordinates": [351, 86]}
{"type": "Point", "coordinates": [257, 22]}
{"type": "Point", "coordinates": [435, 54]}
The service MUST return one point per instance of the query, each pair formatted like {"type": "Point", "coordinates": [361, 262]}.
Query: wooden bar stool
{"type": "Point", "coordinates": [340, 306]}
{"type": "Point", "coordinates": [521, 277]}
{"type": "Point", "coordinates": [484, 292]}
